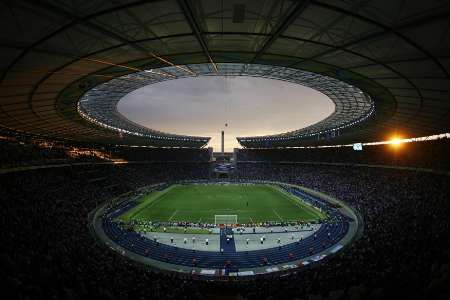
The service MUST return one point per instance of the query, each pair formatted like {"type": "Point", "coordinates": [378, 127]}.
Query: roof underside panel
{"type": "Point", "coordinates": [52, 52]}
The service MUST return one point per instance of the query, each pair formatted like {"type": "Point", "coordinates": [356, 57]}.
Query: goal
{"type": "Point", "coordinates": [225, 219]}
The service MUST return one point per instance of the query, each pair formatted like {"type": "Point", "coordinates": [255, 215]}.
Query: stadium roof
{"type": "Point", "coordinates": [352, 106]}
{"type": "Point", "coordinates": [53, 52]}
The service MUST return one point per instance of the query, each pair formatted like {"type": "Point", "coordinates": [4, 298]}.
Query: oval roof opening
{"type": "Point", "coordinates": [250, 106]}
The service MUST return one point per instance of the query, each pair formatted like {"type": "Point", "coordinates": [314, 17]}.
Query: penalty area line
{"type": "Point", "coordinates": [173, 215]}
{"type": "Point", "coordinates": [279, 217]}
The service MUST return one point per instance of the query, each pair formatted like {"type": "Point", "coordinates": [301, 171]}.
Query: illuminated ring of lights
{"type": "Point", "coordinates": [352, 106]}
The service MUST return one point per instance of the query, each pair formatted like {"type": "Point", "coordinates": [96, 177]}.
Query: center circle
{"type": "Point", "coordinates": [201, 106]}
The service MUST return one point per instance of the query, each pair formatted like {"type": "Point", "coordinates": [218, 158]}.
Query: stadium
{"type": "Point", "coordinates": [275, 149]}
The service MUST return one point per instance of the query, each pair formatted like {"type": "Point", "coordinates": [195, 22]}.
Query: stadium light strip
{"type": "Point", "coordinates": [397, 141]}
{"type": "Point", "coordinates": [292, 135]}
{"type": "Point", "coordinates": [313, 134]}
{"type": "Point", "coordinates": [410, 140]}
{"type": "Point", "coordinates": [153, 136]}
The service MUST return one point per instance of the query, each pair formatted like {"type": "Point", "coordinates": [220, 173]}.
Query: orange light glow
{"type": "Point", "coordinates": [395, 141]}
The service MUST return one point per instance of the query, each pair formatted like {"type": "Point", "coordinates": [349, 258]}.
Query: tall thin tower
{"type": "Point", "coordinates": [223, 142]}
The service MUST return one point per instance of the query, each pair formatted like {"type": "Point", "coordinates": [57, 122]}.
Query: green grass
{"type": "Point", "coordinates": [199, 203]}
{"type": "Point", "coordinates": [189, 230]}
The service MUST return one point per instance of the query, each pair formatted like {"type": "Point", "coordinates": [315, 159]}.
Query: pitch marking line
{"type": "Point", "coordinates": [299, 202]}
{"type": "Point", "coordinates": [279, 217]}
{"type": "Point", "coordinates": [153, 200]}
{"type": "Point", "coordinates": [173, 215]}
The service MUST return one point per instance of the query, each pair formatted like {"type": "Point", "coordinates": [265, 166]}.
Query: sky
{"type": "Point", "coordinates": [201, 106]}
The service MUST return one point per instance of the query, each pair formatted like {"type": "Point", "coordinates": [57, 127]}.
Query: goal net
{"type": "Point", "coordinates": [225, 219]}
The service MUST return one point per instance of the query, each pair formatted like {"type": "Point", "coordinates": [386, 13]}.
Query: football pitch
{"type": "Point", "coordinates": [201, 202]}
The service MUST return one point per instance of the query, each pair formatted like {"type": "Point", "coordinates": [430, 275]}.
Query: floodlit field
{"type": "Point", "coordinates": [200, 203]}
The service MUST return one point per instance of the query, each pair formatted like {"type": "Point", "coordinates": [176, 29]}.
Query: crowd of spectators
{"type": "Point", "coordinates": [160, 154]}
{"type": "Point", "coordinates": [47, 251]}
{"type": "Point", "coordinates": [24, 151]}
{"type": "Point", "coordinates": [15, 154]}
{"type": "Point", "coordinates": [403, 251]}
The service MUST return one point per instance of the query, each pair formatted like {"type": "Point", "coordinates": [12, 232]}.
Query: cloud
{"type": "Point", "coordinates": [202, 105]}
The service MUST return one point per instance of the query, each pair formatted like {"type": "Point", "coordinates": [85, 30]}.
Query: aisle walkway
{"type": "Point", "coordinates": [230, 246]}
